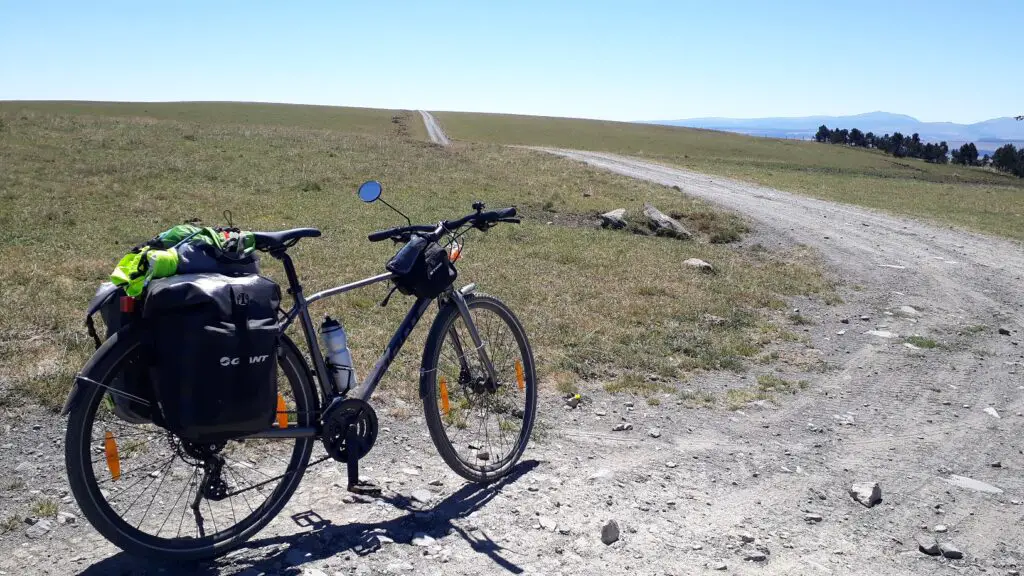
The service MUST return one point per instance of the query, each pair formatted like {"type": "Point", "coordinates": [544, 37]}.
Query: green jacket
{"type": "Point", "coordinates": [184, 248]}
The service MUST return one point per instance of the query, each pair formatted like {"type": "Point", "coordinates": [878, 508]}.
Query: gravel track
{"type": "Point", "coordinates": [437, 135]}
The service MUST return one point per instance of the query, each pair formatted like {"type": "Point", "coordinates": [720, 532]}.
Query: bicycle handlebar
{"type": "Point", "coordinates": [481, 220]}
{"type": "Point", "coordinates": [397, 231]}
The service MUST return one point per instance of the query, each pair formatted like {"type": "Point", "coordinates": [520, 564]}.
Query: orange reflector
{"type": "Point", "coordinates": [520, 379]}
{"type": "Point", "coordinates": [282, 412]}
{"type": "Point", "coordinates": [456, 254]}
{"type": "Point", "coordinates": [445, 407]}
{"type": "Point", "coordinates": [113, 459]}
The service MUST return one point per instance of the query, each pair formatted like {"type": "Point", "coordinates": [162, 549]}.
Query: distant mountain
{"type": "Point", "coordinates": [991, 131]}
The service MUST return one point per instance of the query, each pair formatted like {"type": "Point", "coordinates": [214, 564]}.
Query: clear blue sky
{"type": "Point", "coordinates": [627, 60]}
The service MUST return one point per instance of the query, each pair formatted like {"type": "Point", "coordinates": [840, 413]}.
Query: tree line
{"type": "Point", "coordinates": [1007, 158]}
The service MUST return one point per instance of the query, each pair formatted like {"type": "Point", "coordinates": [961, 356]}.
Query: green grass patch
{"type": "Point", "coordinates": [697, 399]}
{"type": "Point", "coordinates": [630, 383]}
{"type": "Point", "coordinates": [773, 383]}
{"type": "Point", "coordinates": [768, 387]}
{"type": "Point", "coordinates": [921, 342]}
{"type": "Point", "coordinates": [737, 398]}
{"type": "Point", "coordinates": [566, 382]}
{"type": "Point", "coordinates": [73, 173]}
{"type": "Point", "coordinates": [800, 320]}
{"type": "Point", "coordinates": [197, 118]}
{"type": "Point", "coordinates": [45, 508]}
{"type": "Point", "coordinates": [10, 524]}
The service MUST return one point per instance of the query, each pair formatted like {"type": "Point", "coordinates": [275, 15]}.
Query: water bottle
{"type": "Point", "coordinates": [339, 360]}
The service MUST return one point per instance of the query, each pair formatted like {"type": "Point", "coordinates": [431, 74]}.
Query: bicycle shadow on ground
{"type": "Point", "coordinates": [325, 539]}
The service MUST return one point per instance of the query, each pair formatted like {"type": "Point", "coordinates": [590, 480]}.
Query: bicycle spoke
{"type": "Point", "coordinates": [175, 505]}
{"type": "Point", "coordinates": [150, 483]}
{"type": "Point", "coordinates": [163, 477]}
{"type": "Point", "coordinates": [244, 497]}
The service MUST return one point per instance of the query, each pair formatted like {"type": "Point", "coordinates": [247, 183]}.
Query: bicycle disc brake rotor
{"type": "Point", "coordinates": [357, 415]}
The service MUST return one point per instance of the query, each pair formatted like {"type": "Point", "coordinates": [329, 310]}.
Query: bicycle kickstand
{"type": "Point", "coordinates": [353, 445]}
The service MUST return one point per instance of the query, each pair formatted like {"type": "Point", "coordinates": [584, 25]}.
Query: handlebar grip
{"type": "Point", "coordinates": [382, 234]}
{"type": "Point", "coordinates": [506, 212]}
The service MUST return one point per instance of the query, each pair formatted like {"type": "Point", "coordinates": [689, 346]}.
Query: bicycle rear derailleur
{"type": "Point", "coordinates": [349, 432]}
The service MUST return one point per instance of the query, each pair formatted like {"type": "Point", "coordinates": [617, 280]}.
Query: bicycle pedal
{"type": "Point", "coordinates": [364, 488]}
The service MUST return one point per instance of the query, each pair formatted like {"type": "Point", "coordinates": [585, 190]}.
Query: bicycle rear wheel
{"type": "Point", "coordinates": [143, 488]}
{"type": "Point", "coordinates": [481, 429]}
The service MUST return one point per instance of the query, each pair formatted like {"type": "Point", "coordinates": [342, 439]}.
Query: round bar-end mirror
{"type": "Point", "coordinates": [370, 191]}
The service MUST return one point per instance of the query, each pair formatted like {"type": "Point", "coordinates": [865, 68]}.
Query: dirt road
{"type": "Point", "coordinates": [762, 490]}
{"type": "Point", "coordinates": [437, 135]}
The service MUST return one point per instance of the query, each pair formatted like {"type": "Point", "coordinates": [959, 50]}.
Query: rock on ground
{"type": "Point", "coordinates": [949, 550]}
{"type": "Point", "coordinates": [699, 264]}
{"type": "Point", "coordinates": [616, 219]}
{"type": "Point", "coordinates": [421, 539]}
{"type": "Point", "coordinates": [422, 496]}
{"type": "Point", "coordinates": [972, 484]}
{"type": "Point", "coordinates": [867, 493]}
{"type": "Point", "coordinates": [610, 532]}
{"type": "Point", "coordinates": [663, 225]}
{"type": "Point", "coordinates": [40, 528]}
{"type": "Point", "coordinates": [928, 545]}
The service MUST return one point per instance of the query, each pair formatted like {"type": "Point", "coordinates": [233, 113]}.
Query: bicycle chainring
{"type": "Point", "coordinates": [354, 413]}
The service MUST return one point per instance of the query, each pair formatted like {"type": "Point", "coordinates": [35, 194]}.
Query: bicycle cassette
{"type": "Point", "coordinates": [354, 414]}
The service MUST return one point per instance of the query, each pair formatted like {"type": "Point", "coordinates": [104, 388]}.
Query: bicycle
{"type": "Point", "coordinates": [477, 373]}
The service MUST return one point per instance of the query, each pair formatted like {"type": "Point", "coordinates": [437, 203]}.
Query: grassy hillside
{"type": "Point", "coordinates": [975, 198]}
{"type": "Point", "coordinates": [78, 188]}
{"type": "Point", "coordinates": [351, 120]}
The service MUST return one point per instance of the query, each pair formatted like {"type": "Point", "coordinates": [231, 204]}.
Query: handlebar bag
{"type": "Point", "coordinates": [214, 345]}
{"type": "Point", "coordinates": [422, 268]}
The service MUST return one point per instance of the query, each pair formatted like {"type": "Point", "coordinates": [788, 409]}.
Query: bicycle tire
{"type": "Point", "coordinates": [93, 504]}
{"type": "Point", "coordinates": [429, 389]}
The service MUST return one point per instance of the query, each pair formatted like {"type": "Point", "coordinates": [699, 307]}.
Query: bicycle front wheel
{"type": "Point", "coordinates": [146, 490]}
{"type": "Point", "coordinates": [480, 428]}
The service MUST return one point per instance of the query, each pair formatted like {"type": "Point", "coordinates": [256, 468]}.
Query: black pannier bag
{"type": "Point", "coordinates": [135, 404]}
{"type": "Point", "coordinates": [422, 268]}
{"type": "Point", "coordinates": [213, 353]}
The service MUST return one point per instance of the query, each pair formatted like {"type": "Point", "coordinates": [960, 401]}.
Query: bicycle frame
{"type": "Point", "coordinates": [300, 311]}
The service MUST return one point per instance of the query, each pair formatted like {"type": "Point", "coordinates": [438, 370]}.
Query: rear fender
{"type": "Point", "coordinates": [81, 382]}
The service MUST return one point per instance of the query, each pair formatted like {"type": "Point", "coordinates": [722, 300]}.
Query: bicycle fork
{"type": "Point", "coordinates": [460, 303]}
